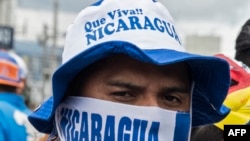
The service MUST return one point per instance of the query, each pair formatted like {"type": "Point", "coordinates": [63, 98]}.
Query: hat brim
{"type": "Point", "coordinates": [210, 74]}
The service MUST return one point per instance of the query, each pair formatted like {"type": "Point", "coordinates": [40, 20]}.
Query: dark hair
{"type": "Point", "coordinates": [243, 56]}
{"type": "Point", "coordinates": [7, 88]}
{"type": "Point", "coordinates": [242, 45]}
{"type": "Point", "coordinates": [207, 133]}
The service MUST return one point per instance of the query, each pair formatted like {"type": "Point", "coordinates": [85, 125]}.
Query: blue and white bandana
{"type": "Point", "coordinates": [80, 118]}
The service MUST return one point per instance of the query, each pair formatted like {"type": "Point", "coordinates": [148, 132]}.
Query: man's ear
{"type": "Point", "coordinates": [21, 87]}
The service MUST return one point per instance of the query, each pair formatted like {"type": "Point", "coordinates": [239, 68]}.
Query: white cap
{"type": "Point", "coordinates": [21, 64]}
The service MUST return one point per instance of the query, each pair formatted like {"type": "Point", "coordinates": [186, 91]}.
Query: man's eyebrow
{"type": "Point", "coordinates": [126, 85]}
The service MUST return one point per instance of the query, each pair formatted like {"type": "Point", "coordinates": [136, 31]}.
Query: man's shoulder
{"type": "Point", "coordinates": [6, 106]}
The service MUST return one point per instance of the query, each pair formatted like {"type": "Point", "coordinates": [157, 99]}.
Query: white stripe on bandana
{"type": "Point", "coordinates": [88, 119]}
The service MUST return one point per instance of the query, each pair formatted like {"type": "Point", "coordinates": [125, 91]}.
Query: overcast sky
{"type": "Point", "coordinates": [227, 11]}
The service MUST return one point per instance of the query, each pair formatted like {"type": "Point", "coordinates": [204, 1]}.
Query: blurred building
{"type": "Point", "coordinates": [33, 35]}
{"type": "Point", "coordinates": [204, 44]}
{"type": "Point", "coordinates": [209, 38]}
{"type": "Point", "coordinates": [7, 12]}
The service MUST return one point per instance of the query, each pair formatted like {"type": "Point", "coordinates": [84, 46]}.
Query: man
{"type": "Point", "coordinates": [14, 124]}
{"type": "Point", "coordinates": [126, 76]}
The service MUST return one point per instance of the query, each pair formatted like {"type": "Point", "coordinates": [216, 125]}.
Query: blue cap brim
{"type": "Point", "coordinates": [210, 74]}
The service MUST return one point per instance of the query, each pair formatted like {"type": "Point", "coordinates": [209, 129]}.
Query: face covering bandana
{"type": "Point", "coordinates": [88, 119]}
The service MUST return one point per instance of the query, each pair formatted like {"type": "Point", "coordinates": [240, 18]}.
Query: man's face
{"type": "Point", "coordinates": [125, 80]}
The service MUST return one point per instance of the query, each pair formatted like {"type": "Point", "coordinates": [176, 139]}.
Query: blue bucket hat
{"type": "Point", "coordinates": [143, 30]}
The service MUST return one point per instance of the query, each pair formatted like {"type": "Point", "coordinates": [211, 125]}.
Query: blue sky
{"type": "Point", "coordinates": [229, 11]}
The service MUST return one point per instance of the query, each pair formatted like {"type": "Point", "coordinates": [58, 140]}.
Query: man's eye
{"type": "Point", "coordinates": [123, 96]}
{"type": "Point", "coordinates": [171, 99]}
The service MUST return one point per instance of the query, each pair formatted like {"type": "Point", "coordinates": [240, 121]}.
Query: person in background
{"type": "Point", "coordinates": [237, 100]}
{"type": "Point", "coordinates": [7, 44]}
{"type": "Point", "coordinates": [126, 76]}
{"type": "Point", "coordinates": [242, 46]}
{"type": "Point", "coordinates": [23, 67]}
{"type": "Point", "coordinates": [14, 125]}
{"type": "Point", "coordinates": [25, 90]}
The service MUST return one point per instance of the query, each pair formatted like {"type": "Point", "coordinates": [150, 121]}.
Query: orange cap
{"type": "Point", "coordinates": [9, 71]}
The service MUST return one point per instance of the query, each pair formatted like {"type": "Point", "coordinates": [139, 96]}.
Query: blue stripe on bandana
{"type": "Point", "coordinates": [182, 127]}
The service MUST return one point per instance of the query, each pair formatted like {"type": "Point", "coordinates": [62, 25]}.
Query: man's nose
{"type": "Point", "coordinates": [148, 101]}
